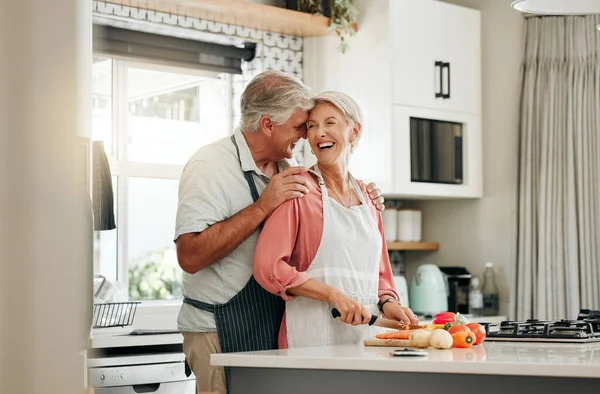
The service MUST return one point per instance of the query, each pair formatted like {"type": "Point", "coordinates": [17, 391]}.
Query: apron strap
{"type": "Point", "coordinates": [353, 182]}
{"type": "Point", "coordinates": [247, 174]}
{"type": "Point", "coordinates": [199, 305]}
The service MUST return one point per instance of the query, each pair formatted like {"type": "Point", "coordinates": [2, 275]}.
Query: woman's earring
{"type": "Point", "coordinates": [311, 151]}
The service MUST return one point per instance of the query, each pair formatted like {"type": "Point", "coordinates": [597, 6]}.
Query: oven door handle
{"type": "Point", "coordinates": [146, 388]}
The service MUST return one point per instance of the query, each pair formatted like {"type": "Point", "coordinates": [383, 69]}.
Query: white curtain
{"type": "Point", "coordinates": [558, 254]}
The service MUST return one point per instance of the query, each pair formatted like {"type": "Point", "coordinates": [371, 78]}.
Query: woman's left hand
{"type": "Point", "coordinates": [395, 311]}
{"type": "Point", "coordinates": [376, 197]}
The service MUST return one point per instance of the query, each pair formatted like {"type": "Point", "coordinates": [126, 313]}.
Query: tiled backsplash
{"type": "Point", "coordinates": [273, 50]}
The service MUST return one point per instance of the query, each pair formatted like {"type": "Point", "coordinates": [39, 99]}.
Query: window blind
{"type": "Point", "coordinates": [168, 50]}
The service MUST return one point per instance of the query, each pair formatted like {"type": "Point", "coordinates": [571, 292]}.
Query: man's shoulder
{"type": "Point", "coordinates": [218, 156]}
{"type": "Point", "coordinates": [220, 150]}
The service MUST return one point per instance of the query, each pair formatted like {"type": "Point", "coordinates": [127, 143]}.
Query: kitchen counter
{"type": "Point", "coordinates": [500, 366]}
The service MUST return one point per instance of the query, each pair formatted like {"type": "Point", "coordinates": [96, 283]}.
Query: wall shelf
{"type": "Point", "coordinates": [413, 246]}
{"type": "Point", "coordinates": [240, 13]}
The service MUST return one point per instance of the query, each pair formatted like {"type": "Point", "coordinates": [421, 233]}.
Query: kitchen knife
{"type": "Point", "coordinates": [382, 322]}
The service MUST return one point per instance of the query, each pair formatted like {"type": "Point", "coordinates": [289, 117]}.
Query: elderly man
{"type": "Point", "coordinates": [227, 190]}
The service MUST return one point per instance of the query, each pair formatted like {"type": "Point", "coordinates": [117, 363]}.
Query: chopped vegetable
{"type": "Point", "coordinates": [441, 339]}
{"type": "Point", "coordinates": [404, 334]}
{"type": "Point", "coordinates": [420, 338]}
{"type": "Point", "coordinates": [458, 328]}
{"type": "Point", "coordinates": [445, 317]}
{"type": "Point", "coordinates": [432, 326]}
{"type": "Point", "coordinates": [463, 339]}
{"type": "Point", "coordinates": [479, 332]}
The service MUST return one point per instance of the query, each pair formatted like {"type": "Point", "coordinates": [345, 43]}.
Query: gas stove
{"type": "Point", "coordinates": [585, 329]}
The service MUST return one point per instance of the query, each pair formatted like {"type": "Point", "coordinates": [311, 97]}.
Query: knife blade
{"type": "Point", "coordinates": [379, 321]}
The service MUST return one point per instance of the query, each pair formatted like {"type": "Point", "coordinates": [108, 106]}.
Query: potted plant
{"type": "Point", "coordinates": [342, 15]}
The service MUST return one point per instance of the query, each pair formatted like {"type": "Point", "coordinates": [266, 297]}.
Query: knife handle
{"type": "Point", "coordinates": [335, 313]}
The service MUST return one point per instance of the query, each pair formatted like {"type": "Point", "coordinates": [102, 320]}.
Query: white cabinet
{"type": "Point", "coordinates": [363, 72]}
{"type": "Point", "coordinates": [436, 55]}
{"type": "Point", "coordinates": [384, 70]}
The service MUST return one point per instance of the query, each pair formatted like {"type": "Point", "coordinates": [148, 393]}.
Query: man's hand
{"type": "Point", "coordinates": [284, 186]}
{"type": "Point", "coordinates": [376, 197]}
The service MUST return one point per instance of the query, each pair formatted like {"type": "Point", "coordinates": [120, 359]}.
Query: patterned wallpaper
{"type": "Point", "coordinates": [273, 51]}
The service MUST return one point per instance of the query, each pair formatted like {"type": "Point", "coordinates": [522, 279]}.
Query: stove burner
{"type": "Point", "coordinates": [585, 329]}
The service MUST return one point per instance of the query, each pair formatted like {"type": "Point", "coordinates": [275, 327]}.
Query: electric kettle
{"type": "Point", "coordinates": [428, 291]}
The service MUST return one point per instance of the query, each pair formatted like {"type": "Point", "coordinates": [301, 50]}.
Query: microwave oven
{"type": "Point", "coordinates": [436, 151]}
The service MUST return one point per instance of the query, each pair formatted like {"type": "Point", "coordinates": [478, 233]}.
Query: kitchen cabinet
{"type": "Point", "coordinates": [383, 70]}
{"type": "Point", "coordinates": [436, 55]}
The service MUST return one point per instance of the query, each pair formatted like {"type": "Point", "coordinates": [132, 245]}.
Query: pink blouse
{"type": "Point", "coordinates": [289, 241]}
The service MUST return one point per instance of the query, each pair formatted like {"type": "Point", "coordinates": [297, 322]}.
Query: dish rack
{"type": "Point", "coordinates": [111, 314]}
{"type": "Point", "coordinates": [114, 314]}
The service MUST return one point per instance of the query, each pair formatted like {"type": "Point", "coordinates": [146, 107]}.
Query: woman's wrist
{"type": "Point", "coordinates": [384, 301]}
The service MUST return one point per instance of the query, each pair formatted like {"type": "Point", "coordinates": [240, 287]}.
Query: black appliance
{"type": "Point", "coordinates": [586, 328]}
{"type": "Point", "coordinates": [459, 282]}
{"type": "Point", "coordinates": [436, 151]}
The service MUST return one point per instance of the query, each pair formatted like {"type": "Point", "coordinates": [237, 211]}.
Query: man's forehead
{"type": "Point", "coordinates": [299, 116]}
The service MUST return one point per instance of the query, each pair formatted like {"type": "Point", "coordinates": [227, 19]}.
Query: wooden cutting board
{"type": "Point", "coordinates": [387, 342]}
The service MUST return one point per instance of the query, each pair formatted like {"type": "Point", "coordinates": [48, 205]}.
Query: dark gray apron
{"type": "Point", "coordinates": [250, 321]}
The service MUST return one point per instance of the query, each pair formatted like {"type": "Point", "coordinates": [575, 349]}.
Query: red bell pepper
{"type": "Point", "coordinates": [445, 317]}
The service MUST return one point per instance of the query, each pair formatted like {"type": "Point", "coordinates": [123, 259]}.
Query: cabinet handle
{"type": "Point", "coordinates": [440, 67]}
{"type": "Point", "coordinates": [447, 67]}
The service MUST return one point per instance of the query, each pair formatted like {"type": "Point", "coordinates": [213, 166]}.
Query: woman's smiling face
{"type": "Point", "coordinates": [329, 134]}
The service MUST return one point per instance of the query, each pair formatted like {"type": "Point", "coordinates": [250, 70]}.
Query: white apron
{"type": "Point", "coordinates": [348, 259]}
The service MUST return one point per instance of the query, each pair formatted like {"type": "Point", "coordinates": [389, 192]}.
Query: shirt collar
{"type": "Point", "coordinates": [246, 160]}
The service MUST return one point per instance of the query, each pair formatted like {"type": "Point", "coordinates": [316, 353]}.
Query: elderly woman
{"type": "Point", "coordinates": [327, 249]}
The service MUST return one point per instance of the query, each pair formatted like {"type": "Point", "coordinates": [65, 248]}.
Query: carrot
{"type": "Point", "coordinates": [404, 334]}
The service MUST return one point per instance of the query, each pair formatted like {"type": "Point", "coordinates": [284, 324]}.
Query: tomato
{"type": "Point", "coordinates": [479, 332]}
{"type": "Point", "coordinates": [463, 339]}
{"type": "Point", "coordinates": [458, 328]}
{"type": "Point", "coordinates": [445, 317]}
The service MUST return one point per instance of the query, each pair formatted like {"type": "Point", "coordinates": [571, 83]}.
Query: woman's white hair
{"type": "Point", "coordinates": [273, 94]}
{"type": "Point", "coordinates": [347, 106]}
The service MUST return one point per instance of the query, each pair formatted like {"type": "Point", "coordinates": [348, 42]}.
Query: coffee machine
{"type": "Point", "coordinates": [459, 282]}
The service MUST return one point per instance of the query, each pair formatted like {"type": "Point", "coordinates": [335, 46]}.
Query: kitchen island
{"type": "Point", "coordinates": [492, 368]}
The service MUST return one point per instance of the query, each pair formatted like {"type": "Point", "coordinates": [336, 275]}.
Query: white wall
{"type": "Point", "coordinates": [472, 232]}
{"type": "Point", "coordinates": [45, 53]}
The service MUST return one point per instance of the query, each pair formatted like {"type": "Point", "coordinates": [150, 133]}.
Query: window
{"type": "Point", "coordinates": [151, 120]}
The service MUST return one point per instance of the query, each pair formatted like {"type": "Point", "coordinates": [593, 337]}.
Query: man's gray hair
{"type": "Point", "coordinates": [347, 106]}
{"type": "Point", "coordinates": [273, 94]}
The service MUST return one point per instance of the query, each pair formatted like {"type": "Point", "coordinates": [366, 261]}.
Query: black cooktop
{"type": "Point", "coordinates": [586, 328]}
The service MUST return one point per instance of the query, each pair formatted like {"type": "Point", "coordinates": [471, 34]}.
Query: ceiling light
{"type": "Point", "coordinates": [558, 7]}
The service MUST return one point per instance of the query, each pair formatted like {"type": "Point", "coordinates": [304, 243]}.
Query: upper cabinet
{"type": "Point", "coordinates": [414, 68]}
{"type": "Point", "coordinates": [436, 55]}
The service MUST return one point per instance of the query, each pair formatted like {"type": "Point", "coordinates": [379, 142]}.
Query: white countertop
{"type": "Point", "coordinates": [495, 358]}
